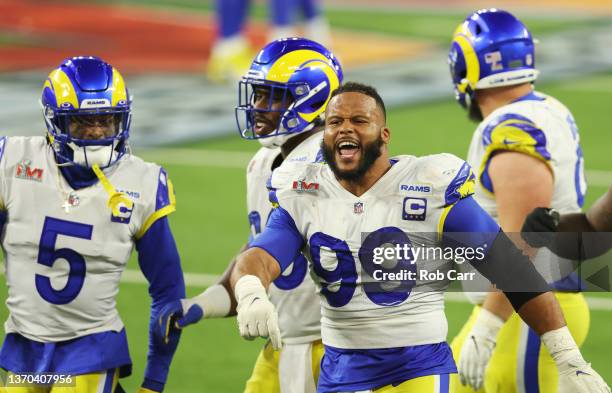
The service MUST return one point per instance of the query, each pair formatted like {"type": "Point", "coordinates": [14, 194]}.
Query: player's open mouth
{"type": "Point", "coordinates": [263, 126]}
{"type": "Point", "coordinates": [348, 149]}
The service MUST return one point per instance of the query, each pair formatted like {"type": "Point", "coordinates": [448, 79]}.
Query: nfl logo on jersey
{"type": "Point", "coordinates": [358, 208]}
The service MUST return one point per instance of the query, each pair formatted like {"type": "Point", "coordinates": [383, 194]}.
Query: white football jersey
{"type": "Point", "coordinates": [541, 127]}
{"type": "Point", "coordinates": [64, 252]}
{"type": "Point", "coordinates": [340, 229]}
{"type": "Point", "coordinates": [293, 294]}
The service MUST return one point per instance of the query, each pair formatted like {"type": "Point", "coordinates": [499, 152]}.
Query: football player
{"type": "Point", "coordinates": [564, 235]}
{"type": "Point", "coordinates": [231, 55]}
{"type": "Point", "coordinates": [527, 153]}
{"type": "Point", "coordinates": [282, 101]}
{"type": "Point", "coordinates": [74, 205]}
{"type": "Point", "coordinates": [386, 336]}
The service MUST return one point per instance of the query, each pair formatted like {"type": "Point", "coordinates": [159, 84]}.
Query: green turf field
{"type": "Point", "coordinates": [210, 224]}
{"type": "Point", "coordinates": [436, 26]}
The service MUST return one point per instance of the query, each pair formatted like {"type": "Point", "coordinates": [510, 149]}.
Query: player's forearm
{"type": "Point", "coordinates": [159, 359]}
{"type": "Point", "coordinates": [225, 281]}
{"type": "Point", "coordinates": [600, 214]}
{"type": "Point", "coordinates": [497, 303]}
{"type": "Point", "coordinates": [217, 301]}
{"type": "Point", "coordinates": [159, 261]}
{"type": "Point", "coordinates": [542, 313]}
{"type": "Point", "coordinates": [578, 239]}
{"type": "Point", "coordinates": [255, 262]}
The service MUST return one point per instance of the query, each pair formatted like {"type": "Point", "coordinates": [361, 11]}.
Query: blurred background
{"type": "Point", "coordinates": [183, 83]}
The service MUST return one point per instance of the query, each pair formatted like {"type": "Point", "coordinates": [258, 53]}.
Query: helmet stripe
{"type": "Point", "coordinates": [471, 60]}
{"type": "Point", "coordinates": [63, 89]}
{"type": "Point", "coordinates": [119, 90]}
{"type": "Point", "coordinates": [285, 66]}
{"type": "Point", "coordinates": [334, 83]}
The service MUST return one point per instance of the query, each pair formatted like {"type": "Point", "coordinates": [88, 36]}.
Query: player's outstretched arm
{"type": "Point", "coordinates": [600, 214]}
{"type": "Point", "coordinates": [521, 182]}
{"type": "Point", "coordinates": [159, 261]}
{"type": "Point", "coordinates": [253, 272]}
{"type": "Point", "coordinates": [563, 234]}
{"type": "Point", "coordinates": [268, 255]}
{"type": "Point", "coordinates": [513, 273]}
{"type": "Point", "coordinates": [216, 301]}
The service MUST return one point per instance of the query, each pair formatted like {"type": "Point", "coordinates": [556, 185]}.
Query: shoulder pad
{"type": "Point", "coordinates": [449, 175]}
{"type": "Point", "coordinates": [511, 131]}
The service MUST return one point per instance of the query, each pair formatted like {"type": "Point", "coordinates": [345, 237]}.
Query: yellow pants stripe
{"type": "Point", "coordinates": [265, 375]}
{"type": "Point", "coordinates": [426, 384]}
{"type": "Point", "coordinates": [507, 371]}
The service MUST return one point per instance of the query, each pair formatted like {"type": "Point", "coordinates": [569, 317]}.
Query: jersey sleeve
{"type": "Point", "coordinates": [511, 132]}
{"type": "Point", "coordinates": [281, 237]}
{"type": "Point", "coordinates": [164, 203]}
{"type": "Point", "coordinates": [452, 180]}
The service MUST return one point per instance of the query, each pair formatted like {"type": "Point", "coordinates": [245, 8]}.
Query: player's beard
{"type": "Point", "coordinates": [370, 153]}
{"type": "Point", "coordinates": [474, 112]}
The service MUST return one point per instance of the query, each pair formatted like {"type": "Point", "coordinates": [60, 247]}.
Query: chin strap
{"type": "Point", "coordinates": [115, 198]}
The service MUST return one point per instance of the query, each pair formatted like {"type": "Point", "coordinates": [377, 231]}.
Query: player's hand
{"type": "Point", "coordinates": [165, 323]}
{"type": "Point", "coordinates": [191, 313]}
{"type": "Point", "coordinates": [478, 348]}
{"type": "Point", "coordinates": [539, 227]}
{"type": "Point", "coordinates": [577, 376]}
{"type": "Point", "coordinates": [256, 314]}
{"type": "Point", "coordinates": [173, 316]}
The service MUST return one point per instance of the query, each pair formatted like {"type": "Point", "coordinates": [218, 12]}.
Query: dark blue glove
{"type": "Point", "coordinates": [171, 319]}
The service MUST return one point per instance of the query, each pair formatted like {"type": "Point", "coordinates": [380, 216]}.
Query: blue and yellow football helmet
{"type": "Point", "coordinates": [491, 48]}
{"type": "Point", "coordinates": [299, 72]}
{"type": "Point", "coordinates": [84, 90]}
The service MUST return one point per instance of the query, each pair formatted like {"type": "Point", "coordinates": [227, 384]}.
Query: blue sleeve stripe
{"type": "Point", "coordinates": [163, 193]}
{"type": "Point", "coordinates": [271, 192]}
{"type": "Point", "coordinates": [272, 197]}
{"type": "Point", "coordinates": [319, 157]}
{"type": "Point", "coordinates": [485, 179]}
{"type": "Point", "coordinates": [2, 145]}
{"type": "Point", "coordinates": [455, 190]}
{"type": "Point", "coordinates": [534, 132]}
{"type": "Point", "coordinates": [486, 134]}
{"type": "Point", "coordinates": [511, 132]}
{"type": "Point", "coordinates": [280, 238]}
{"type": "Point", "coordinates": [519, 123]}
